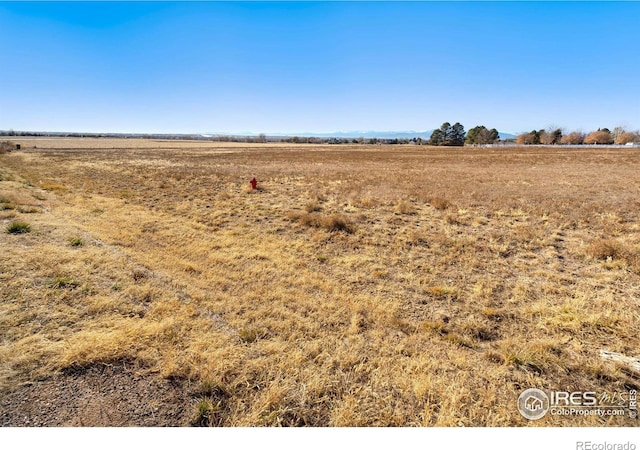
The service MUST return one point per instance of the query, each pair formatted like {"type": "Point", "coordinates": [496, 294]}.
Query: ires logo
{"type": "Point", "coordinates": [562, 398]}
{"type": "Point", "coordinates": [534, 404]}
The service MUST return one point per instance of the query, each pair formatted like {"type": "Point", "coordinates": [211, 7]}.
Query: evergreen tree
{"type": "Point", "coordinates": [448, 135]}
{"type": "Point", "coordinates": [456, 136]}
{"type": "Point", "coordinates": [437, 137]}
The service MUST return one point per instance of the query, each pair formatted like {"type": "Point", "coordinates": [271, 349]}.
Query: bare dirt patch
{"type": "Point", "coordinates": [100, 395]}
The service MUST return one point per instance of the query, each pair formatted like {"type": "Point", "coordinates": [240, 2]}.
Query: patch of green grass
{"type": "Point", "coordinates": [204, 413]}
{"type": "Point", "coordinates": [248, 335]}
{"type": "Point", "coordinates": [61, 282]}
{"type": "Point", "coordinates": [18, 227]}
{"type": "Point", "coordinates": [207, 413]}
{"type": "Point", "coordinates": [76, 241]}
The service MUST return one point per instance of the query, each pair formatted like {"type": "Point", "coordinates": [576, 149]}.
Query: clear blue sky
{"type": "Point", "coordinates": [318, 67]}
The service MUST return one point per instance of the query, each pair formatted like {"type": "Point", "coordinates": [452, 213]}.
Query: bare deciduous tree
{"type": "Point", "coordinates": [602, 136]}
{"type": "Point", "coordinates": [573, 138]}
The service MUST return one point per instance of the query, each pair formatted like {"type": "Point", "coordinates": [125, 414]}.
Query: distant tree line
{"type": "Point", "coordinates": [446, 135]}
{"type": "Point", "coordinates": [601, 136]}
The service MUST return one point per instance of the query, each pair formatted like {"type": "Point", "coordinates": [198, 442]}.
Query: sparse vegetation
{"type": "Point", "coordinates": [367, 286]}
{"type": "Point", "coordinates": [64, 282]}
{"type": "Point", "coordinates": [204, 413]}
{"type": "Point", "coordinates": [6, 203]}
{"type": "Point", "coordinates": [76, 241]}
{"type": "Point", "coordinates": [18, 227]}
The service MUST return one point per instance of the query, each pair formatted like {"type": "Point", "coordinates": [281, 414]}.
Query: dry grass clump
{"type": "Point", "coordinates": [404, 207]}
{"type": "Point", "coordinates": [606, 249]}
{"type": "Point", "coordinates": [443, 292]}
{"type": "Point", "coordinates": [312, 206]}
{"type": "Point", "coordinates": [439, 203]}
{"type": "Point", "coordinates": [7, 146]}
{"type": "Point", "coordinates": [337, 222]}
{"type": "Point", "coordinates": [613, 251]}
{"type": "Point", "coordinates": [6, 204]}
{"type": "Point", "coordinates": [329, 222]}
{"type": "Point", "coordinates": [53, 186]}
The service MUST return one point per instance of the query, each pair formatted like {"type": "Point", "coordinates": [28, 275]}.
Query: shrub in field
{"type": "Point", "coordinates": [18, 227]}
{"type": "Point", "coordinates": [604, 249]}
{"type": "Point", "coordinates": [6, 147]}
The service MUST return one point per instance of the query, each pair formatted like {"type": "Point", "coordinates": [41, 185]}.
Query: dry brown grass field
{"type": "Point", "coordinates": [358, 286]}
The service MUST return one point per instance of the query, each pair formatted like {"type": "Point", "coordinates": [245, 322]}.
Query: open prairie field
{"type": "Point", "coordinates": [145, 283]}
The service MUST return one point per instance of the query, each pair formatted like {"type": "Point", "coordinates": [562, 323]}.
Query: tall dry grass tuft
{"type": "Point", "coordinates": [6, 147]}
{"type": "Point", "coordinates": [404, 207]}
{"type": "Point", "coordinates": [439, 203]}
{"type": "Point", "coordinates": [614, 251]}
{"type": "Point", "coordinates": [606, 249]}
{"type": "Point", "coordinates": [329, 222]}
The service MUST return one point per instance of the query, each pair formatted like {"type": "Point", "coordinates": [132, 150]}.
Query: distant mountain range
{"type": "Point", "coordinates": [351, 134]}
